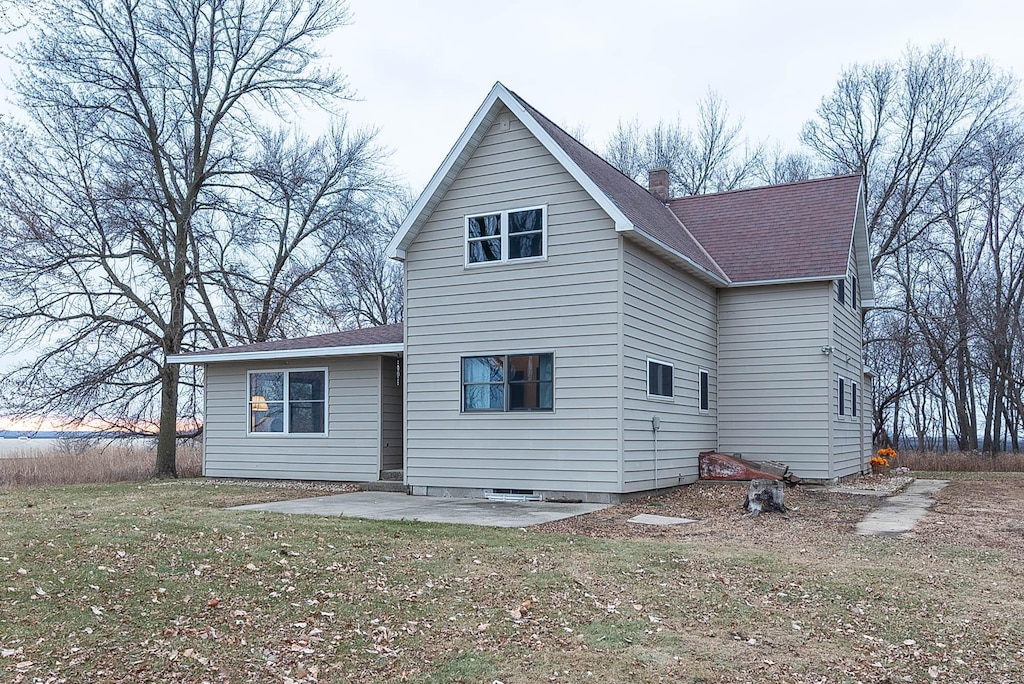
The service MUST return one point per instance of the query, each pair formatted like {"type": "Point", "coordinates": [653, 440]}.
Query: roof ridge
{"type": "Point", "coordinates": [537, 112]}
{"type": "Point", "coordinates": [806, 181]}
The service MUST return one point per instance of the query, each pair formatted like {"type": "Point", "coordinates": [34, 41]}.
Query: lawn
{"type": "Point", "coordinates": [157, 582]}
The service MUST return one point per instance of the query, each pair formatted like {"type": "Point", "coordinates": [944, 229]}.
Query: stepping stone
{"type": "Point", "coordinates": [646, 519]}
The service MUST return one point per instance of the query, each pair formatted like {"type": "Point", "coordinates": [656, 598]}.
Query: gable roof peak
{"type": "Point", "coordinates": [634, 211]}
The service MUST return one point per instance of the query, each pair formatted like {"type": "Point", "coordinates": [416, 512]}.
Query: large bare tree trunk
{"type": "Point", "coordinates": [166, 446]}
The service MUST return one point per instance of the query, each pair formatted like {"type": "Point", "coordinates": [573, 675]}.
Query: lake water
{"type": "Point", "coordinates": [47, 444]}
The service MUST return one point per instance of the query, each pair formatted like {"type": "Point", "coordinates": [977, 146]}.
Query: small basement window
{"type": "Point", "coordinates": [659, 379]}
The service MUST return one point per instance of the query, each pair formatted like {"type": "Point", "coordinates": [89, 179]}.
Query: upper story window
{"type": "Point", "coordinates": [507, 236]}
{"type": "Point", "coordinates": [853, 293]}
{"type": "Point", "coordinates": [841, 291]}
{"type": "Point", "coordinates": [288, 402]}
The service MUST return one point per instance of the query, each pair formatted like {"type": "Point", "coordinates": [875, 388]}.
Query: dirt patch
{"type": "Point", "coordinates": [985, 512]}
{"type": "Point", "coordinates": [816, 516]}
{"type": "Point", "coordinates": [977, 512]}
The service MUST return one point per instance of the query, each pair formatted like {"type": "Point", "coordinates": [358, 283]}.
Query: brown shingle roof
{"type": "Point", "coordinates": [779, 232]}
{"type": "Point", "coordinates": [643, 210]}
{"type": "Point", "coordinates": [383, 334]}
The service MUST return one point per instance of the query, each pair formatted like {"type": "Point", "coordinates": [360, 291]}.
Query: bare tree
{"type": "Point", "coordinates": [776, 166]}
{"type": "Point", "coordinates": [918, 130]}
{"type": "Point", "coordinates": [267, 267]}
{"type": "Point", "coordinates": [902, 125]}
{"type": "Point", "coordinates": [141, 118]}
{"type": "Point", "coordinates": [712, 156]}
{"type": "Point", "coordinates": [367, 287]}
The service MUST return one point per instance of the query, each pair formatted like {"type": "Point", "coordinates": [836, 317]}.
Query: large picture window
{"type": "Point", "coordinates": [288, 402]}
{"type": "Point", "coordinates": [506, 236]}
{"type": "Point", "coordinates": [508, 382]}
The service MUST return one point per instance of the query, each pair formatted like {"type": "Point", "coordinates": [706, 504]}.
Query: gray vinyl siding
{"type": "Point", "coordinates": [391, 413]}
{"type": "Point", "coordinates": [848, 448]}
{"type": "Point", "coordinates": [668, 316]}
{"type": "Point", "coordinates": [565, 305]}
{"type": "Point", "coordinates": [773, 379]}
{"type": "Point", "coordinates": [349, 452]}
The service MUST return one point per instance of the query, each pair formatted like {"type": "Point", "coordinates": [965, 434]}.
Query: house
{"type": "Point", "coordinates": [570, 333]}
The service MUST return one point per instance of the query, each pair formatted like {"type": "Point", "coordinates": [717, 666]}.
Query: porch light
{"type": "Point", "coordinates": [259, 403]}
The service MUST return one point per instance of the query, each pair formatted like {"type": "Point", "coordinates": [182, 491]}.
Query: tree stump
{"type": "Point", "coordinates": [765, 496]}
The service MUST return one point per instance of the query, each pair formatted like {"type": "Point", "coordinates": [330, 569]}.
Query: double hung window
{"type": "Point", "coordinates": [288, 401]}
{"type": "Point", "coordinates": [506, 236]}
{"type": "Point", "coordinates": [508, 382]}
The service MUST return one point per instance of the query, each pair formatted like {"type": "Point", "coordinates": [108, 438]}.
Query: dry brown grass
{"type": "Point", "coordinates": [961, 461]}
{"type": "Point", "coordinates": [68, 463]}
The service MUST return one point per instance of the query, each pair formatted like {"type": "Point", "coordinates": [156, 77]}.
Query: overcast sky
{"type": "Point", "coordinates": [422, 68]}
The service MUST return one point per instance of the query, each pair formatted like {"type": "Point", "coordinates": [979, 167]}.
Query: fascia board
{"type": "Point", "coordinates": [407, 231]}
{"type": "Point", "coordinates": [282, 354]}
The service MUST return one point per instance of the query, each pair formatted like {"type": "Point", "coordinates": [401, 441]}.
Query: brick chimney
{"type": "Point", "coordinates": [657, 183]}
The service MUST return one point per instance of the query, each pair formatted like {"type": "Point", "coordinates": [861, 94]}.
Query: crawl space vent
{"type": "Point", "coordinates": [518, 495]}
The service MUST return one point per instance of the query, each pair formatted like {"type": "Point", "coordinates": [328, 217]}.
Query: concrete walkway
{"type": "Point", "coordinates": [395, 506]}
{"type": "Point", "coordinates": [899, 513]}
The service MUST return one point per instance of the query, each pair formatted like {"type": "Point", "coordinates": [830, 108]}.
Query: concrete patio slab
{"type": "Point", "coordinates": [648, 519]}
{"type": "Point", "coordinates": [901, 512]}
{"type": "Point", "coordinates": [395, 506]}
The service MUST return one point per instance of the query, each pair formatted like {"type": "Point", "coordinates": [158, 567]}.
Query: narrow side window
{"type": "Point", "coordinates": [704, 389]}
{"type": "Point", "coordinates": [842, 397]}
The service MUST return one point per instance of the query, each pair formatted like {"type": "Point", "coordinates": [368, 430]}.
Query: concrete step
{"type": "Point", "coordinates": [384, 486]}
{"type": "Point", "coordinates": [392, 475]}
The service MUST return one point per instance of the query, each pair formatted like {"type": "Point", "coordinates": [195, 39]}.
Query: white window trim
{"type": "Point", "coordinates": [701, 373]}
{"type": "Point", "coordinates": [504, 237]}
{"type": "Point", "coordinates": [647, 383]}
{"type": "Point", "coordinates": [287, 419]}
